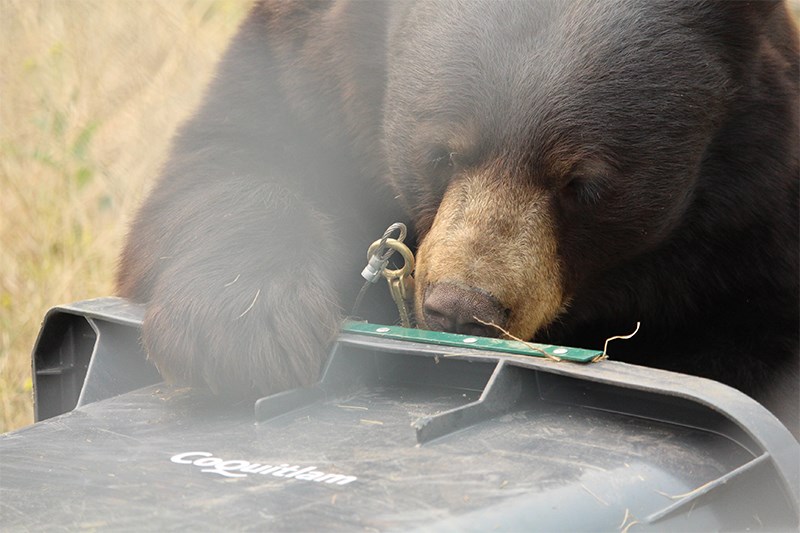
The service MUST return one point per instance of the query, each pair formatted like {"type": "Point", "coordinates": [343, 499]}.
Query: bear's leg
{"type": "Point", "coordinates": [242, 295]}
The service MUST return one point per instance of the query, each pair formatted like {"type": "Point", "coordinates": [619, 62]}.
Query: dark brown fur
{"type": "Point", "coordinates": [586, 165]}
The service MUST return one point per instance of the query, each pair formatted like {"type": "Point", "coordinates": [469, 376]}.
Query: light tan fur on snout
{"type": "Point", "coordinates": [496, 235]}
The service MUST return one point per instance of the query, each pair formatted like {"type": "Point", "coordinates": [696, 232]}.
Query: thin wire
{"type": "Point", "coordinates": [360, 297]}
{"type": "Point", "coordinates": [604, 355]}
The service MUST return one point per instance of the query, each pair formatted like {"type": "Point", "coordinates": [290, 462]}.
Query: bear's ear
{"type": "Point", "coordinates": [757, 8]}
{"type": "Point", "coordinates": [741, 25]}
{"type": "Point", "coordinates": [747, 13]}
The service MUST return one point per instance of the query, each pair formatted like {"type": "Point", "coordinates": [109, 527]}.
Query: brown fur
{"type": "Point", "coordinates": [497, 237]}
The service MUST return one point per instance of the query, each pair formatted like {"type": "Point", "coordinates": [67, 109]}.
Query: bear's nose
{"type": "Point", "coordinates": [457, 309]}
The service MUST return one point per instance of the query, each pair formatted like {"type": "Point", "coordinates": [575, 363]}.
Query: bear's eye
{"type": "Point", "coordinates": [583, 191]}
{"type": "Point", "coordinates": [441, 158]}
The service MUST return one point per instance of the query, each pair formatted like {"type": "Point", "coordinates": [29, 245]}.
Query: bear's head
{"type": "Point", "coordinates": [539, 145]}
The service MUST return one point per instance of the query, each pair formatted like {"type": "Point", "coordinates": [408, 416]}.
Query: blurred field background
{"type": "Point", "coordinates": [90, 94]}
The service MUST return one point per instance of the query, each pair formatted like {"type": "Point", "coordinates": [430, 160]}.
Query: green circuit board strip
{"type": "Point", "coordinates": [578, 355]}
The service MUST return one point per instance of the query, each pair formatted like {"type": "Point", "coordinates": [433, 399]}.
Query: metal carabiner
{"type": "Point", "coordinates": [399, 280]}
{"type": "Point", "coordinates": [378, 256]}
{"type": "Point", "coordinates": [397, 246]}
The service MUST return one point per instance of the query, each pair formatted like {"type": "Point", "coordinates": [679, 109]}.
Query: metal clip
{"type": "Point", "coordinates": [399, 280]}
{"type": "Point", "coordinates": [379, 254]}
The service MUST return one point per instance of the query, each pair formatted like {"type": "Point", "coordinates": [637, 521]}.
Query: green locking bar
{"type": "Point", "coordinates": [577, 355]}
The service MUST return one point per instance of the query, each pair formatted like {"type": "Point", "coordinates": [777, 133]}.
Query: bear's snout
{"type": "Point", "coordinates": [459, 309]}
{"type": "Point", "coordinates": [491, 256]}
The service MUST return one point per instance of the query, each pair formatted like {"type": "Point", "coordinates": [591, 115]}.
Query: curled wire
{"type": "Point", "coordinates": [604, 355]}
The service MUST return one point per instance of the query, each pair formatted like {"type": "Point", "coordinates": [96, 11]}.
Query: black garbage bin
{"type": "Point", "coordinates": [406, 430]}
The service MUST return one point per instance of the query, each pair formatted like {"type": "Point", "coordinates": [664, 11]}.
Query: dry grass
{"type": "Point", "coordinates": [90, 93]}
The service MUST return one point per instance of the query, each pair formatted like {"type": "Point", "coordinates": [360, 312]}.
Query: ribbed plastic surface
{"type": "Point", "coordinates": [398, 435]}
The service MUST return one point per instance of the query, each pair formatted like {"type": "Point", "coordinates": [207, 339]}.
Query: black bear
{"type": "Point", "coordinates": [568, 168]}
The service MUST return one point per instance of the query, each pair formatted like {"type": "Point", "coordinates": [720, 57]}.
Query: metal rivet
{"type": "Point", "coordinates": [470, 340]}
{"type": "Point", "coordinates": [382, 330]}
